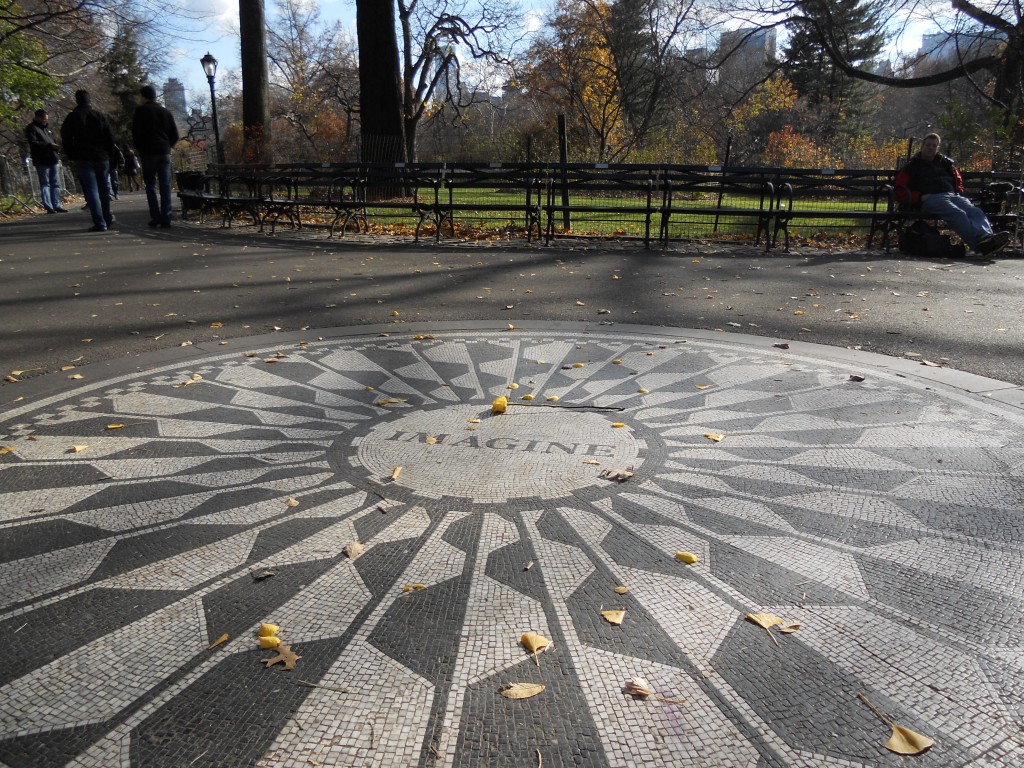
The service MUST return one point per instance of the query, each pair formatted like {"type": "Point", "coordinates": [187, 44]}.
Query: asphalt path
{"type": "Point", "coordinates": [73, 298]}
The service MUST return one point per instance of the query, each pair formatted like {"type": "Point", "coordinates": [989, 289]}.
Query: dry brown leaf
{"type": "Point", "coordinates": [535, 644]}
{"type": "Point", "coordinates": [621, 589]}
{"type": "Point", "coordinates": [789, 626]}
{"type": "Point", "coordinates": [353, 550]}
{"type": "Point", "coordinates": [592, 461]}
{"type": "Point", "coordinates": [783, 345]}
{"type": "Point", "coordinates": [613, 617]}
{"type": "Point", "coordinates": [619, 475]}
{"type": "Point", "coordinates": [219, 641]}
{"type": "Point", "coordinates": [521, 690]}
{"type": "Point", "coordinates": [856, 377]}
{"type": "Point", "coordinates": [638, 686]}
{"type": "Point", "coordinates": [686, 557]}
{"type": "Point", "coordinates": [903, 741]}
{"type": "Point", "coordinates": [285, 656]}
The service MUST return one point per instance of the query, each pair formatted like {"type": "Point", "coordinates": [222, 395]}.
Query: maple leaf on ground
{"type": "Point", "coordinates": [285, 655]}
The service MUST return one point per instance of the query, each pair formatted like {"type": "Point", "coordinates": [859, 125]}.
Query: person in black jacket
{"type": "Point", "coordinates": [89, 141]}
{"type": "Point", "coordinates": [932, 183]}
{"type": "Point", "coordinates": [43, 146]}
{"type": "Point", "coordinates": [154, 135]}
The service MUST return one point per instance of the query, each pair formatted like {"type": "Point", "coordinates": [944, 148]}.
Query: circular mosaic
{"type": "Point", "coordinates": [149, 523]}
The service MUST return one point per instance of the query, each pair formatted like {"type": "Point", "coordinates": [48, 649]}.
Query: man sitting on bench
{"type": "Point", "coordinates": [932, 183]}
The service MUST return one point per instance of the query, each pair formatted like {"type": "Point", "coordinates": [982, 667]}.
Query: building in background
{"type": "Point", "coordinates": [174, 100]}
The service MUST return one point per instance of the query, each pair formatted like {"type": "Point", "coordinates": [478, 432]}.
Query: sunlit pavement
{"type": "Point", "coordinates": [156, 512]}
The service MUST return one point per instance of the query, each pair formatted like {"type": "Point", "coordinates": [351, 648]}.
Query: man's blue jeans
{"type": "Point", "coordinates": [95, 178]}
{"type": "Point", "coordinates": [962, 216]}
{"type": "Point", "coordinates": [157, 168]}
{"type": "Point", "coordinates": [49, 186]}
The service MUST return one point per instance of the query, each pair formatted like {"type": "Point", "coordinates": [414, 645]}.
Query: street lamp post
{"type": "Point", "coordinates": [210, 68]}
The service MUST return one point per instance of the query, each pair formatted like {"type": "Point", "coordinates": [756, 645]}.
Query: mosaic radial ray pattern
{"type": "Point", "coordinates": [884, 517]}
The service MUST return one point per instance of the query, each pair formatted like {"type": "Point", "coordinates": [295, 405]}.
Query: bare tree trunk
{"type": "Point", "coordinates": [380, 85]}
{"type": "Point", "coordinates": [257, 146]}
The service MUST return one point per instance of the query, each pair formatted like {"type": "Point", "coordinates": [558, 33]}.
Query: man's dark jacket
{"type": "Point", "coordinates": [87, 136]}
{"type": "Point", "coordinates": [153, 129]}
{"type": "Point", "coordinates": [920, 177]}
{"type": "Point", "coordinates": [40, 144]}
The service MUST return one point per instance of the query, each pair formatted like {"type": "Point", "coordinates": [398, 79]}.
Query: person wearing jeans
{"type": "Point", "coordinates": [43, 146]}
{"type": "Point", "coordinates": [154, 135]}
{"type": "Point", "coordinates": [931, 182]}
{"type": "Point", "coordinates": [89, 141]}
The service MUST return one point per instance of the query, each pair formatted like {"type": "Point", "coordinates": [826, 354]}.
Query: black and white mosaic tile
{"type": "Point", "coordinates": [144, 517]}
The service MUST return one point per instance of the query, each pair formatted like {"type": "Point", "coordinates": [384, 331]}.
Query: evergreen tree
{"type": "Point", "coordinates": [848, 26]}
{"type": "Point", "coordinates": [125, 74]}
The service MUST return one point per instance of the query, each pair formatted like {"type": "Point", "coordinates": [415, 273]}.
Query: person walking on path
{"type": "Point", "coordinates": [154, 135]}
{"type": "Point", "coordinates": [43, 146]}
{"type": "Point", "coordinates": [131, 168]}
{"type": "Point", "coordinates": [933, 183]}
{"type": "Point", "coordinates": [89, 141]}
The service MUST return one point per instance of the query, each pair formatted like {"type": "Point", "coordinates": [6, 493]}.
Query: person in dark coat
{"type": "Point", "coordinates": [154, 135]}
{"type": "Point", "coordinates": [89, 140]}
{"type": "Point", "coordinates": [931, 182]}
{"type": "Point", "coordinates": [131, 167]}
{"type": "Point", "coordinates": [43, 146]}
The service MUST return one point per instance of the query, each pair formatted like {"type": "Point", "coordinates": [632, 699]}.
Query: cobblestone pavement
{"type": "Point", "coordinates": [149, 514]}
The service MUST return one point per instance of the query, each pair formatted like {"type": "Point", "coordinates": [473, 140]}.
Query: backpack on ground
{"type": "Point", "coordinates": [923, 239]}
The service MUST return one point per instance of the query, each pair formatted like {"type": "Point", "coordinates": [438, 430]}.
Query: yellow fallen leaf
{"type": "Point", "coordinates": [616, 362]}
{"type": "Point", "coordinates": [613, 617]}
{"type": "Point", "coordinates": [394, 313]}
{"type": "Point", "coordinates": [510, 327]}
{"type": "Point", "coordinates": [411, 587]}
{"type": "Point", "coordinates": [552, 398]}
{"type": "Point", "coordinates": [535, 644]}
{"type": "Point", "coordinates": [292, 502]}
{"type": "Point", "coordinates": [578, 365]}
{"type": "Point", "coordinates": [77, 448]}
{"type": "Point", "coordinates": [592, 461]}
{"type": "Point", "coordinates": [499, 404]}
{"type": "Point", "coordinates": [431, 441]}
{"type": "Point", "coordinates": [474, 421]}
{"type": "Point", "coordinates": [6, 449]}
{"type": "Point", "coordinates": [86, 341]}
{"type": "Point", "coordinates": [76, 376]}
{"type": "Point", "coordinates": [703, 386]}
{"type": "Point", "coordinates": [67, 367]}
{"type": "Point", "coordinates": [903, 741]}
{"type": "Point", "coordinates": [765, 620]}
{"type": "Point", "coordinates": [617, 425]}
{"type": "Point", "coordinates": [580, 304]}
{"type": "Point", "coordinates": [115, 426]}
{"type": "Point", "coordinates": [513, 385]}
{"type": "Point", "coordinates": [267, 630]}
{"type": "Point", "coordinates": [643, 391]}
{"type": "Point", "coordinates": [799, 312]}
{"type": "Point", "coordinates": [714, 436]}
{"type": "Point", "coordinates": [686, 557]}
{"type": "Point", "coordinates": [395, 473]}
{"type": "Point", "coordinates": [219, 641]}
{"type": "Point", "coordinates": [269, 641]}
{"type": "Point", "coordinates": [521, 690]}
{"type": "Point", "coordinates": [527, 397]}
{"type": "Point", "coordinates": [216, 325]}
{"type": "Point", "coordinates": [621, 589]}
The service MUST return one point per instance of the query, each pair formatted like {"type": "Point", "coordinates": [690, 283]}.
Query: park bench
{"type": "Point", "coordinates": [700, 199]}
{"type": "Point", "coordinates": [494, 195]}
{"type": "Point", "coordinates": [831, 198]}
{"type": "Point", "coordinates": [600, 191]}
